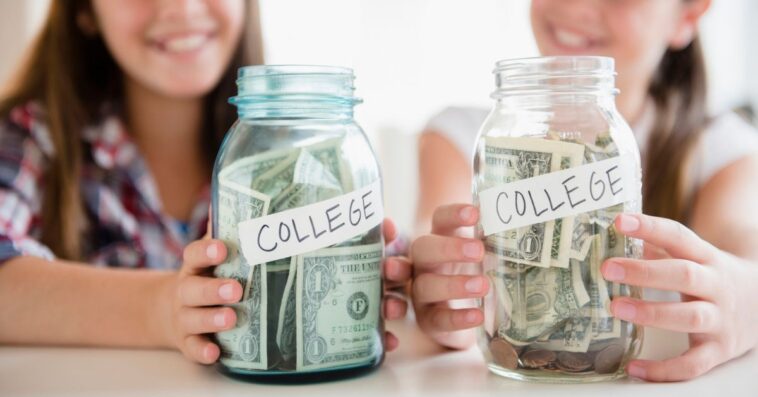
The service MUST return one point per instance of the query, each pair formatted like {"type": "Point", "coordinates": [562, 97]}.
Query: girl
{"type": "Point", "coordinates": [106, 149]}
{"type": "Point", "coordinates": [698, 171]}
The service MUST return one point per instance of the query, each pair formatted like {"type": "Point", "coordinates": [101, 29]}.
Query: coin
{"type": "Point", "coordinates": [537, 358]}
{"type": "Point", "coordinates": [503, 353]}
{"type": "Point", "coordinates": [608, 359]}
{"type": "Point", "coordinates": [573, 362]}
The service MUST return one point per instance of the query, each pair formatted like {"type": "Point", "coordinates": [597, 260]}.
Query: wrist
{"type": "Point", "coordinates": [162, 310]}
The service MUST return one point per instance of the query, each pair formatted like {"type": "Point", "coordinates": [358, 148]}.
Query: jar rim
{"type": "Point", "coordinates": [563, 64]}
{"type": "Point", "coordinates": [309, 85]}
{"type": "Point", "coordinates": [291, 69]}
{"type": "Point", "coordinates": [555, 75]}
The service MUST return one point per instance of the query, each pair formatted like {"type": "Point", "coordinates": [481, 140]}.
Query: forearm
{"type": "Point", "coordinates": [65, 303]}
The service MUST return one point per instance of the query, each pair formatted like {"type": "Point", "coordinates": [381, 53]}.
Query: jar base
{"type": "Point", "coordinates": [297, 378]}
{"type": "Point", "coordinates": [554, 377]}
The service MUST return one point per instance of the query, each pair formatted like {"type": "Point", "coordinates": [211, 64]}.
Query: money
{"type": "Point", "coordinates": [286, 323]}
{"type": "Point", "coordinates": [609, 359]}
{"type": "Point", "coordinates": [573, 362]}
{"type": "Point", "coordinates": [552, 305]}
{"type": "Point", "coordinates": [338, 293]}
{"type": "Point", "coordinates": [538, 358]}
{"type": "Point", "coordinates": [510, 159]}
{"type": "Point", "coordinates": [272, 331]}
{"type": "Point", "coordinates": [503, 353]}
{"type": "Point", "coordinates": [245, 346]}
{"type": "Point", "coordinates": [236, 203]}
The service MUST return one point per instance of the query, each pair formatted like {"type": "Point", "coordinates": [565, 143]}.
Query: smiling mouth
{"type": "Point", "coordinates": [572, 40]}
{"type": "Point", "coordinates": [184, 43]}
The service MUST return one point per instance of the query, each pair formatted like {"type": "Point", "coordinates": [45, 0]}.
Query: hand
{"type": "Point", "coordinates": [195, 295]}
{"type": "Point", "coordinates": [397, 273]}
{"type": "Point", "coordinates": [439, 259]}
{"type": "Point", "coordinates": [718, 307]}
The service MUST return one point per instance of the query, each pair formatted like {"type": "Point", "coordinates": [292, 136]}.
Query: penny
{"type": "Point", "coordinates": [608, 359]}
{"type": "Point", "coordinates": [503, 353]}
{"type": "Point", "coordinates": [573, 362]}
{"type": "Point", "coordinates": [537, 358]}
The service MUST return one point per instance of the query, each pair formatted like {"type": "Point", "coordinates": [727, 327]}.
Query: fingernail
{"type": "Point", "coordinates": [219, 319]}
{"type": "Point", "coordinates": [466, 213]}
{"type": "Point", "coordinates": [471, 317]}
{"type": "Point", "coordinates": [226, 291]}
{"type": "Point", "coordinates": [614, 272]}
{"type": "Point", "coordinates": [472, 250]}
{"type": "Point", "coordinates": [624, 311]}
{"type": "Point", "coordinates": [636, 371]}
{"type": "Point", "coordinates": [392, 270]}
{"type": "Point", "coordinates": [475, 285]}
{"type": "Point", "coordinates": [211, 251]}
{"type": "Point", "coordinates": [628, 223]}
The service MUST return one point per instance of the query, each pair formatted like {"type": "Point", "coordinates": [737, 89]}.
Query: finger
{"type": "Point", "coordinates": [201, 254]}
{"type": "Point", "coordinates": [439, 318]}
{"type": "Point", "coordinates": [431, 287]}
{"type": "Point", "coordinates": [196, 320]}
{"type": "Point", "coordinates": [200, 349]}
{"type": "Point", "coordinates": [207, 291]}
{"type": "Point", "coordinates": [691, 317]}
{"type": "Point", "coordinates": [672, 236]}
{"type": "Point", "coordinates": [433, 249]}
{"type": "Point", "coordinates": [389, 230]}
{"type": "Point", "coordinates": [390, 341]}
{"type": "Point", "coordinates": [693, 363]}
{"type": "Point", "coordinates": [447, 218]}
{"type": "Point", "coordinates": [395, 308]}
{"type": "Point", "coordinates": [209, 225]}
{"type": "Point", "coordinates": [397, 269]}
{"type": "Point", "coordinates": [667, 274]}
{"type": "Point", "coordinates": [652, 252]}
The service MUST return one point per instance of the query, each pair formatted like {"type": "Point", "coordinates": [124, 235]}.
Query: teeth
{"type": "Point", "coordinates": [570, 39]}
{"type": "Point", "coordinates": [185, 43]}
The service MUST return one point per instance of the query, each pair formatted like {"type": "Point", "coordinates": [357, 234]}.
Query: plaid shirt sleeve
{"type": "Point", "coordinates": [24, 149]}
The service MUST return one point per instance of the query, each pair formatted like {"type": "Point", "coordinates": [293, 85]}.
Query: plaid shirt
{"type": "Point", "coordinates": [125, 224]}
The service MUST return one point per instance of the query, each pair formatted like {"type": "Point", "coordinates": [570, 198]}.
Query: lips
{"type": "Point", "coordinates": [573, 40]}
{"type": "Point", "coordinates": [183, 43]}
{"type": "Point", "coordinates": [570, 39]}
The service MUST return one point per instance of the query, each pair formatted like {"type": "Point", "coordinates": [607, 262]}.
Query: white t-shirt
{"type": "Point", "coordinates": [727, 139]}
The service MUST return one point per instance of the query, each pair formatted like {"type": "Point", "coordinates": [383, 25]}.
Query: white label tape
{"type": "Point", "coordinates": [311, 227]}
{"type": "Point", "coordinates": [558, 194]}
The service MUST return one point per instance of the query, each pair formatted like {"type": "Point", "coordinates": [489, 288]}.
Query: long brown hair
{"type": "Point", "coordinates": [679, 92]}
{"type": "Point", "coordinates": [72, 75]}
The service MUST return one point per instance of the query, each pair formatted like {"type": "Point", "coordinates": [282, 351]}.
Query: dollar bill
{"type": "Point", "coordinates": [338, 295]}
{"type": "Point", "coordinates": [550, 296]}
{"type": "Point", "coordinates": [245, 346]}
{"type": "Point", "coordinates": [236, 204]}
{"type": "Point", "coordinates": [245, 170]}
{"type": "Point", "coordinates": [509, 159]}
{"type": "Point", "coordinates": [286, 329]}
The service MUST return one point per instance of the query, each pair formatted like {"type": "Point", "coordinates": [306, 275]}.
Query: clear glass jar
{"type": "Point", "coordinates": [311, 314]}
{"type": "Point", "coordinates": [547, 315]}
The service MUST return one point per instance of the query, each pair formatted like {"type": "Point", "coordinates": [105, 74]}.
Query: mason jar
{"type": "Point", "coordinates": [297, 199]}
{"type": "Point", "coordinates": [555, 163]}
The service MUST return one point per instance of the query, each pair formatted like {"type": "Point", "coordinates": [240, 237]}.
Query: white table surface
{"type": "Point", "coordinates": [418, 367]}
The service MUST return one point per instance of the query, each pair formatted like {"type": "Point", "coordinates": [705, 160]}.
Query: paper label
{"type": "Point", "coordinates": [558, 194]}
{"type": "Point", "coordinates": [311, 227]}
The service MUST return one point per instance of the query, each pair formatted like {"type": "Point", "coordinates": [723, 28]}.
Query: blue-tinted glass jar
{"type": "Point", "coordinates": [309, 312]}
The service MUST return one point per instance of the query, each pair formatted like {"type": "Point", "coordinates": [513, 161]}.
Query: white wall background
{"type": "Point", "coordinates": [414, 57]}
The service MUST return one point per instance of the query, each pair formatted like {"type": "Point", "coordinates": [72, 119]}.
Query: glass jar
{"type": "Point", "coordinates": [555, 163]}
{"type": "Point", "coordinates": [296, 197]}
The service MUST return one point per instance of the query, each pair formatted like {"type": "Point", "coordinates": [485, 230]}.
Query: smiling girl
{"type": "Point", "coordinates": [107, 143]}
{"type": "Point", "coordinates": [699, 190]}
